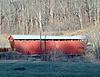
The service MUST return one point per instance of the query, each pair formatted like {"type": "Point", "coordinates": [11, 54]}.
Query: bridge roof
{"type": "Point", "coordinates": [46, 37]}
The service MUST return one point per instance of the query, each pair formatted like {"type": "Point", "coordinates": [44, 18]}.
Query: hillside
{"type": "Point", "coordinates": [33, 16]}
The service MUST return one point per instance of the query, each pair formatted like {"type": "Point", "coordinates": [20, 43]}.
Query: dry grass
{"type": "Point", "coordinates": [4, 42]}
{"type": "Point", "coordinates": [84, 31]}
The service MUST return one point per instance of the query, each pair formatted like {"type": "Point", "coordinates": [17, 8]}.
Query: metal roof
{"type": "Point", "coordinates": [43, 37]}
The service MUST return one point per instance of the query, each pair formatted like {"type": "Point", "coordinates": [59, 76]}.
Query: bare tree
{"type": "Point", "coordinates": [27, 17]}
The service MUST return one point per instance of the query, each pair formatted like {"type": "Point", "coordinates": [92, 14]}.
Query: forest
{"type": "Point", "coordinates": [33, 16]}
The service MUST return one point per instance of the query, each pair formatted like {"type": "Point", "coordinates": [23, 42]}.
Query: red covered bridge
{"type": "Point", "coordinates": [36, 44]}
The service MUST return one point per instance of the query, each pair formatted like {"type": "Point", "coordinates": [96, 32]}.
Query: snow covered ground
{"type": "Point", "coordinates": [15, 68]}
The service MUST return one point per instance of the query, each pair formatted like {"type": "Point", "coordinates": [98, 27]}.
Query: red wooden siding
{"type": "Point", "coordinates": [33, 46]}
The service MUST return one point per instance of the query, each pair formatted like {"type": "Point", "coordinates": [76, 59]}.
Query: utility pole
{"type": "Point", "coordinates": [40, 25]}
{"type": "Point", "coordinates": [40, 18]}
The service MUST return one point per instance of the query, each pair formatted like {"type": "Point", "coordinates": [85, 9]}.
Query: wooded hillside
{"type": "Point", "coordinates": [29, 16]}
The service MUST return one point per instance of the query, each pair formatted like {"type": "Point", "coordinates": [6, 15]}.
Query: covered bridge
{"type": "Point", "coordinates": [36, 44]}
